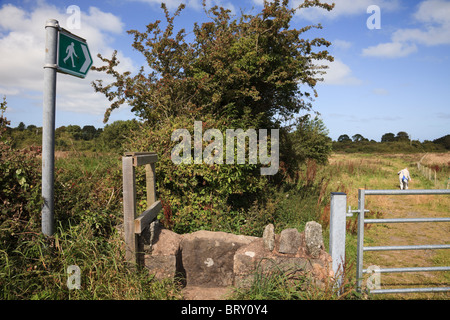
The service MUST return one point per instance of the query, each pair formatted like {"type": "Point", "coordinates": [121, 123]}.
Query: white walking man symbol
{"type": "Point", "coordinates": [70, 50]}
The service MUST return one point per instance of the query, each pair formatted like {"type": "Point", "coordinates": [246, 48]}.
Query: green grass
{"type": "Point", "coordinates": [37, 269]}
{"type": "Point", "coordinates": [274, 284]}
{"type": "Point", "coordinates": [380, 172]}
{"type": "Point", "coordinates": [88, 202]}
{"type": "Point", "coordinates": [87, 208]}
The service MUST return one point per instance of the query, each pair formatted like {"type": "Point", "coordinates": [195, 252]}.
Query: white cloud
{"type": "Point", "coordinates": [171, 4]}
{"type": "Point", "coordinates": [434, 17]}
{"type": "Point", "coordinates": [339, 73]}
{"type": "Point", "coordinates": [345, 8]}
{"type": "Point", "coordinates": [8, 91]}
{"type": "Point", "coordinates": [103, 21]}
{"type": "Point", "coordinates": [22, 48]}
{"type": "Point", "coordinates": [436, 11]}
{"type": "Point", "coordinates": [430, 36]}
{"type": "Point", "coordinates": [191, 4]}
{"type": "Point", "coordinates": [389, 50]}
{"type": "Point", "coordinates": [341, 44]}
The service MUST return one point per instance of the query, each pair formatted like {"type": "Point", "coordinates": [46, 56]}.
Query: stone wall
{"type": "Point", "coordinates": [219, 259]}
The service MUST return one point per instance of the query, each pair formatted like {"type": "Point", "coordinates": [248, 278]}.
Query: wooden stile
{"type": "Point", "coordinates": [144, 220]}
{"type": "Point", "coordinates": [133, 226]}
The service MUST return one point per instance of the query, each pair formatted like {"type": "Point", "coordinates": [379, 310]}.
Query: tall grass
{"type": "Point", "coordinates": [274, 283]}
{"type": "Point", "coordinates": [87, 207]}
{"type": "Point", "coordinates": [88, 204]}
{"type": "Point", "coordinates": [37, 268]}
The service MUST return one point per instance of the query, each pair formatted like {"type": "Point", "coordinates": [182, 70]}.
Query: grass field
{"type": "Point", "coordinates": [88, 188]}
{"type": "Point", "coordinates": [353, 171]}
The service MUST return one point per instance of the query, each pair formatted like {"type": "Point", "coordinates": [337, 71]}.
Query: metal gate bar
{"type": "Point", "coordinates": [406, 192]}
{"type": "Point", "coordinates": [419, 247]}
{"type": "Point", "coordinates": [360, 245]}
{"type": "Point", "coordinates": [418, 269]}
{"type": "Point", "coordinates": [406, 220]}
{"type": "Point", "coordinates": [408, 290]}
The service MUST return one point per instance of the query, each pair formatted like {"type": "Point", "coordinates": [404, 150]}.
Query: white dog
{"type": "Point", "coordinates": [404, 178]}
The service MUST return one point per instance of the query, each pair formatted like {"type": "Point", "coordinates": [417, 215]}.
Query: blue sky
{"type": "Point", "coordinates": [391, 79]}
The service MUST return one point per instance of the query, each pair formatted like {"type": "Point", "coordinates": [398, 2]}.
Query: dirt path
{"type": "Point", "coordinates": [376, 171]}
{"type": "Point", "coordinates": [202, 293]}
{"type": "Point", "coordinates": [410, 234]}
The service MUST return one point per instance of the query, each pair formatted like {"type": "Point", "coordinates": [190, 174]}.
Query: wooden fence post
{"type": "Point", "coordinates": [129, 208]}
{"type": "Point", "coordinates": [150, 177]}
{"type": "Point", "coordinates": [134, 226]}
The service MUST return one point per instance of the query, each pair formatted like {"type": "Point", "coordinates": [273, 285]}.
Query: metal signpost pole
{"type": "Point", "coordinates": [65, 53]}
{"type": "Point", "coordinates": [48, 126]}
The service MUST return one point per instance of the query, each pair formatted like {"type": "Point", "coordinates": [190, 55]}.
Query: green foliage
{"type": "Point", "coordinates": [201, 196]}
{"type": "Point", "coordinates": [74, 138]}
{"type": "Point", "coordinates": [3, 121]}
{"type": "Point", "coordinates": [87, 207]}
{"type": "Point", "coordinates": [444, 141]}
{"type": "Point", "coordinates": [386, 147]}
{"type": "Point", "coordinates": [357, 138]}
{"type": "Point", "coordinates": [36, 268]}
{"type": "Point", "coordinates": [74, 131]}
{"type": "Point", "coordinates": [116, 134]}
{"type": "Point", "coordinates": [19, 185]}
{"type": "Point", "coordinates": [89, 132]}
{"type": "Point", "coordinates": [272, 283]}
{"type": "Point", "coordinates": [21, 126]}
{"type": "Point", "coordinates": [255, 64]}
{"type": "Point", "coordinates": [402, 136]}
{"type": "Point", "coordinates": [89, 191]}
{"type": "Point", "coordinates": [388, 137]}
{"type": "Point", "coordinates": [344, 138]}
{"type": "Point", "coordinates": [244, 72]}
{"type": "Point", "coordinates": [311, 140]}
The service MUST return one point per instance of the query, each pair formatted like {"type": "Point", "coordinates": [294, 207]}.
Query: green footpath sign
{"type": "Point", "coordinates": [73, 54]}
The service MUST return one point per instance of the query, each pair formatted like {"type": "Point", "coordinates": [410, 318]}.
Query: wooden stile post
{"type": "Point", "coordinates": [151, 183]}
{"type": "Point", "coordinates": [129, 208]}
{"type": "Point", "coordinates": [133, 226]}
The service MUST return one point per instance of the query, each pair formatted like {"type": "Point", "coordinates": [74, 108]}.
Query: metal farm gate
{"type": "Point", "coordinates": [338, 215]}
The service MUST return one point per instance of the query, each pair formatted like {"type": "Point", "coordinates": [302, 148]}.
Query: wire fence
{"type": "Point", "coordinates": [432, 175]}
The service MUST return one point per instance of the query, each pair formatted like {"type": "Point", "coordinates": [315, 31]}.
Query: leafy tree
{"type": "Point", "coordinates": [115, 135]}
{"type": "Point", "coordinates": [311, 139]}
{"type": "Point", "coordinates": [344, 138]}
{"type": "Point", "coordinates": [89, 132]}
{"type": "Point", "coordinates": [19, 177]}
{"type": "Point", "coordinates": [74, 131]}
{"type": "Point", "coordinates": [21, 126]}
{"type": "Point", "coordinates": [444, 141]}
{"type": "Point", "coordinates": [357, 138]}
{"type": "Point", "coordinates": [388, 137]}
{"type": "Point", "coordinates": [253, 71]}
{"type": "Point", "coordinates": [60, 131]}
{"type": "Point", "coordinates": [3, 121]}
{"type": "Point", "coordinates": [402, 136]}
{"type": "Point", "coordinates": [255, 65]}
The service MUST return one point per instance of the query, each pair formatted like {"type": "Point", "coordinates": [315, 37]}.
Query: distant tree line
{"type": "Point", "coordinates": [75, 137]}
{"type": "Point", "coordinates": [310, 135]}
{"type": "Point", "coordinates": [390, 142]}
{"type": "Point", "coordinates": [387, 137]}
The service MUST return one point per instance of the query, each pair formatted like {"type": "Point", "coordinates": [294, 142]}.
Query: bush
{"type": "Point", "coordinates": [87, 205]}
{"type": "Point", "coordinates": [200, 196]}
{"type": "Point", "coordinates": [20, 194]}
{"type": "Point", "coordinates": [88, 189]}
